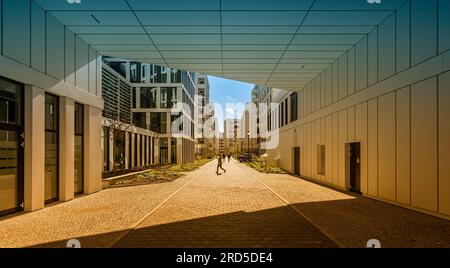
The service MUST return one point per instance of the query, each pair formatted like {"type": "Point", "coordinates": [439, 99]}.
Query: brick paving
{"type": "Point", "coordinates": [352, 220]}
{"type": "Point", "coordinates": [97, 220]}
{"type": "Point", "coordinates": [242, 208]}
{"type": "Point", "coordinates": [230, 210]}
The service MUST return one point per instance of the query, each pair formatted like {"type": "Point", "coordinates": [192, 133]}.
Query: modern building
{"type": "Point", "coordinates": [233, 136]}
{"type": "Point", "coordinates": [220, 143]}
{"type": "Point", "coordinates": [50, 110]}
{"type": "Point", "coordinates": [367, 108]}
{"type": "Point", "coordinates": [206, 125]}
{"type": "Point", "coordinates": [249, 143]}
{"type": "Point", "coordinates": [162, 104]}
{"type": "Point", "coordinates": [125, 146]}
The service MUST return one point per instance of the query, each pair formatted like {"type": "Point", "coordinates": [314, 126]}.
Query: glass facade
{"type": "Point", "coordinates": [173, 154]}
{"type": "Point", "coordinates": [140, 120]}
{"type": "Point", "coordinates": [158, 122]}
{"type": "Point", "coordinates": [164, 151]}
{"type": "Point", "coordinates": [119, 149]}
{"type": "Point", "coordinates": [168, 97]}
{"type": "Point", "coordinates": [79, 133]}
{"type": "Point", "coordinates": [105, 149]}
{"type": "Point", "coordinates": [294, 106]}
{"type": "Point", "coordinates": [148, 97]}
{"type": "Point", "coordinates": [175, 76]}
{"type": "Point", "coordinates": [51, 148]}
{"type": "Point", "coordinates": [11, 153]}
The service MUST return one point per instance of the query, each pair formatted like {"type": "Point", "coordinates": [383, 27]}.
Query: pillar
{"type": "Point", "coordinates": [92, 151]}
{"type": "Point", "coordinates": [127, 150]}
{"type": "Point", "coordinates": [66, 148]}
{"type": "Point", "coordinates": [133, 155]}
{"type": "Point", "coordinates": [34, 149]}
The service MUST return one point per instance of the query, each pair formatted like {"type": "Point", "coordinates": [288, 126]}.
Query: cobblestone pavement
{"type": "Point", "coordinates": [97, 220]}
{"type": "Point", "coordinates": [231, 210]}
{"type": "Point", "coordinates": [241, 208]}
{"type": "Point", "coordinates": [352, 220]}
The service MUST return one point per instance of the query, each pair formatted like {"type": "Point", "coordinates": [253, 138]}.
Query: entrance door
{"type": "Point", "coordinates": [11, 147]}
{"type": "Point", "coordinates": [297, 160]}
{"type": "Point", "coordinates": [51, 148]}
{"type": "Point", "coordinates": [355, 166]}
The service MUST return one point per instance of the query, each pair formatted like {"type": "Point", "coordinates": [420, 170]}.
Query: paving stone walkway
{"type": "Point", "coordinates": [230, 210]}
{"type": "Point", "coordinates": [241, 208]}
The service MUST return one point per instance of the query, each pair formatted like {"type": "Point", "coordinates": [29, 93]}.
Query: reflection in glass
{"type": "Point", "coordinates": [168, 97]}
{"type": "Point", "coordinates": [8, 170]}
{"type": "Point", "coordinates": [148, 97]}
{"type": "Point", "coordinates": [164, 151]}
{"type": "Point", "coordinates": [51, 148]}
{"type": "Point", "coordinates": [79, 131]}
{"type": "Point", "coordinates": [158, 122]}
{"type": "Point", "coordinates": [119, 149]}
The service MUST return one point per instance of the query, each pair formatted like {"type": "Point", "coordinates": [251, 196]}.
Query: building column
{"type": "Point", "coordinates": [66, 148]}
{"type": "Point", "coordinates": [34, 149]}
{"type": "Point", "coordinates": [111, 149]}
{"type": "Point", "coordinates": [150, 138]}
{"type": "Point", "coordinates": [169, 150]}
{"type": "Point", "coordinates": [133, 142]}
{"type": "Point", "coordinates": [92, 150]}
{"type": "Point", "coordinates": [127, 150]}
{"type": "Point", "coordinates": [179, 151]}
{"type": "Point", "coordinates": [156, 148]}
{"type": "Point", "coordinates": [149, 141]}
{"type": "Point", "coordinates": [138, 160]}
{"type": "Point", "coordinates": [143, 150]}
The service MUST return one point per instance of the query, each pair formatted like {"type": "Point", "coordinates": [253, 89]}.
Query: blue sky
{"type": "Point", "coordinates": [223, 92]}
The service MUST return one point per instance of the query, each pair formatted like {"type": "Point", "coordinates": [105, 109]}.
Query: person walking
{"type": "Point", "coordinates": [229, 156]}
{"type": "Point", "coordinates": [219, 165]}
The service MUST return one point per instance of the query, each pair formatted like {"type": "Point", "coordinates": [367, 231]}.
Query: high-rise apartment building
{"type": "Point", "coordinates": [206, 125]}
{"type": "Point", "coordinates": [233, 136]}
{"type": "Point", "coordinates": [162, 104]}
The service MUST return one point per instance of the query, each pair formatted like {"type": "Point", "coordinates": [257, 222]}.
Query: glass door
{"type": "Point", "coordinates": [79, 139]}
{"type": "Point", "coordinates": [11, 147]}
{"type": "Point", "coordinates": [51, 148]}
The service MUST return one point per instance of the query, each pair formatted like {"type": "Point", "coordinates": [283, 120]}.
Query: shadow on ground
{"type": "Point", "coordinates": [351, 222]}
{"type": "Point", "coordinates": [273, 228]}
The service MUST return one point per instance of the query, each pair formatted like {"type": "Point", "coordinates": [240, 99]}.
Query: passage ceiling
{"type": "Point", "coordinates": [278, 43]}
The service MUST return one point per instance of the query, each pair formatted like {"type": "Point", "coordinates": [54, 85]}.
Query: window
{"type": "Point", "coordinates": [135, 72]}
{"type": "Point", "coordinates": [155, 74]}
{"type": "Point", "coordinates": [164, 76]}
{"type": "Point", "coordinates": [119, 149]}
{"type": "Point", "coordinates": [173, 157]}
{"type": "Point", "coordinates": [164, 151]}
{"type": "Point", "coordinates": [119, 67]}
{"type": "Point", "coordinates": [201, 81]}
{"type": "Point", "coordinates": [176, 119]}
{"type": "Point", "coordinates": [168, 97]}
{"type": "Point", "coordinates": [51, 148]}
{"type": "Point", "coordinates": [140, 120]}
{"type": "Point", "coordinates": [79, 133]}
{"type": "Point", "coordinates": [321, 160]}
{"type": "Point", "coordinates": [294, 107]}
{"type": "Point", "coordinates": [105, 149]}
{"type": "Point", "coordinates": [158, 122]}
{"type": "Point", "coordinates": [144, 73]}
{"type": "Point", "coordinates": [148, 97]}
{"type": "Point", "coordinates": [133, 98]}
{"type": "Point", "coordinates": [175, 76]}
{"type": "Point", "coordinates": [286, 112]}
{"type": "Point", "coordinates": [282, 114]}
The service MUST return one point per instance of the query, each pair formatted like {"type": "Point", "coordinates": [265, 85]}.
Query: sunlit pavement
{"type": "Point", "coordinates": [241, 208]}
